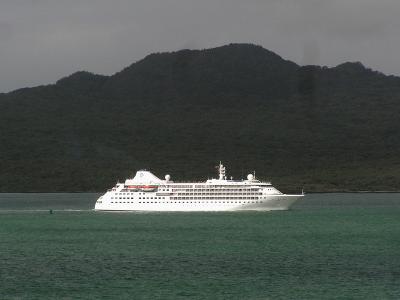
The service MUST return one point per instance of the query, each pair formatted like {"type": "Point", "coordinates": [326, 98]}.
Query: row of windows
{"type": "Point", "coordinates": [120, 194]}
{"type": "Point", "coordinates": [186, 198]}
{"type": "Point", "coordinates": [217, 190]}
{"type": "Point", "coordinates": [210, 198]}
{"type": "Point", "coordinates": [220, 193]}
{"type": "Point", "coordinates": [206, 186]}
{"type": "Point", "coordinates": [200, 191]}
{"type": "Point", "coordinates": [244, 195]}
{"type": "Point", "coordinates": [187, 202]}
{"type": "Point", "coordinates": [139, 197]}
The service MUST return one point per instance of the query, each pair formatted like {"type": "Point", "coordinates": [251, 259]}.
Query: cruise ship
{"type": "Point", "coordinates": [147, 192]}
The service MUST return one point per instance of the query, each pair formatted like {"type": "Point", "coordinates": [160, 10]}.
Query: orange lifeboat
{"type": "Point", "coordinates": [148, 188]}
{"type": "Point", "coordinates": [132, 187]}
{"type": "Point", "coordinates": [144, 188]}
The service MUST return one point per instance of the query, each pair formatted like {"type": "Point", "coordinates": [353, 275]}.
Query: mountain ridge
{"type": "Point", "coordinates": [348, 66]}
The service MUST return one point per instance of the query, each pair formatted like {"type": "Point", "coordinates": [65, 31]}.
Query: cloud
{"type": "Point", "coordinates": [43, 40]}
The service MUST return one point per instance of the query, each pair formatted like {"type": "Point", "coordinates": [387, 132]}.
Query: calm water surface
{"type": "Point", "coordinates": [329, 246]}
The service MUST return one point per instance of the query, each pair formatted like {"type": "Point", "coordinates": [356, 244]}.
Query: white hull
{"type": "Point", "coordinates": [273, 202]}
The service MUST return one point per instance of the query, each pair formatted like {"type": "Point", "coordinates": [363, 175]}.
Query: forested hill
{"type": "Point", "coordinates": [180, 113]}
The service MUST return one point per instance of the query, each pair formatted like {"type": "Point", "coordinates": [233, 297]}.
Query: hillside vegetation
{"type": "Point", "coordinates": [324, 129]}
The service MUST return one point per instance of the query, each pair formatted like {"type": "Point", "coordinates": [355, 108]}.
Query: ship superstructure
{"type": "Point", "coordinates": [147, 192]}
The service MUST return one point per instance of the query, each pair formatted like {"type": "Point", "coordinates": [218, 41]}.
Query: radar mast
{"type": "Point", "coordinates": [221, 170]}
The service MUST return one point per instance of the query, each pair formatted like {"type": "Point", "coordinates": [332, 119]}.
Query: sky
{"type": "Point", "coordinates": [42, 41]}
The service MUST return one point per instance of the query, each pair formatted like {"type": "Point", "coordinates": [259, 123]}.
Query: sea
{"type": "Point", "coordinates": [328, 246]}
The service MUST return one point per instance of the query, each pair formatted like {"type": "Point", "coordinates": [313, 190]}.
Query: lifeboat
{"type": "Point", "coordinates": [144, 188]}
{"type": "Point", "coordinates": [132, 187]}
{"type": "Point", "coordinates": [148, 188]}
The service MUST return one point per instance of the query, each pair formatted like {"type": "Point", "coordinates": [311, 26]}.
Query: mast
{"type": "Point", "coordinates": [221, 170]}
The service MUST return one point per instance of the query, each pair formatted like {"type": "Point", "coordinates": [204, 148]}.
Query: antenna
{"type": "Point", "coordinates": [221, 170]}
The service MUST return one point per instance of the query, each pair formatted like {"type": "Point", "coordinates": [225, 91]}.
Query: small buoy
{"type": "Point", "coordinates": [51, 211]}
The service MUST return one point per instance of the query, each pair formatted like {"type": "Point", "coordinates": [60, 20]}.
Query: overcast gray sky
{"type": "Point", "coordinates": [44, 40]}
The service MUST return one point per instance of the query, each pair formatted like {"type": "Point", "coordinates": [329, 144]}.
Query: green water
{"type": "Point", "coordinates": [329, 246]}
